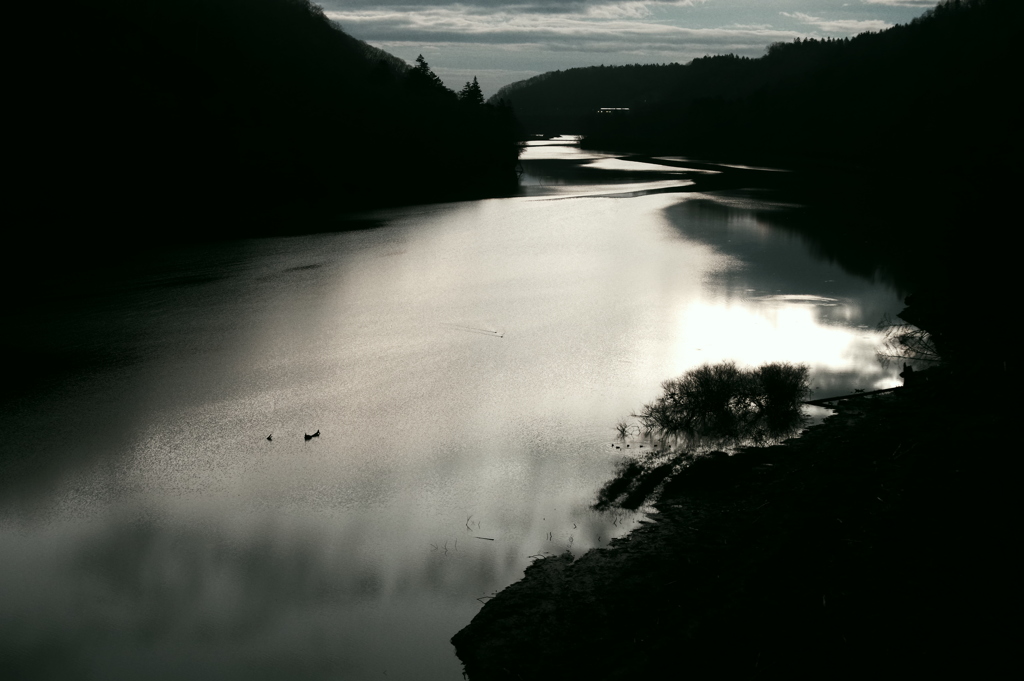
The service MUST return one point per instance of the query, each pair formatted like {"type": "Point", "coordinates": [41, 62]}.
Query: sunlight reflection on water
{"type": "Point", "coordinates": [466, 365]}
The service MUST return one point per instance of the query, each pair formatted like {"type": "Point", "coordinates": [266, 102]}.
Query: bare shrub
{"type": "Point", "coordinates": [722, 404]}
{"type": "Point", "coordinates": [708, 409]}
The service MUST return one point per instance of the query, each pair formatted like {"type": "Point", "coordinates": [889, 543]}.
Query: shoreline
{"type": "Point", "coordinates": [877, 539]}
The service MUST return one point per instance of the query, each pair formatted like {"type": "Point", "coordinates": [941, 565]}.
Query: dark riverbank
{"type": "Point", "coordinates": [877, 542]}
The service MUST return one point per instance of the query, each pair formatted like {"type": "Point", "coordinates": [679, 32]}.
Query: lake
{"type": "Point", "coordinates": [465, 365]}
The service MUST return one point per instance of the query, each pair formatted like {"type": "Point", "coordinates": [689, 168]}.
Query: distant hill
{"type": "Point", "coordinates": [941, 81]}
{"type": "Point", "coordinates": [563, 102]}
{"type": "Point", "coordinates": [203, 118]}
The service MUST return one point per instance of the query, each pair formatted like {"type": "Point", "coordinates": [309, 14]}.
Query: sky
{"type": "Point", "coordinates": [501, 42]}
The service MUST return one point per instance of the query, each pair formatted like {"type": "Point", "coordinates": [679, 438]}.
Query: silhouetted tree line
{"type": "Point", "coordinates": [944, 77]}
{"type": "Point", "coordinates": [211, 117]}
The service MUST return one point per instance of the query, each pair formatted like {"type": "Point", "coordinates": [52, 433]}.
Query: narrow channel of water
{"type": "Point", "coordinates": [465, 365]}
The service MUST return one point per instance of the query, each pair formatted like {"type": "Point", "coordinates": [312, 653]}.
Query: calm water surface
{"type": "Point", "coordinates": [465, 365]}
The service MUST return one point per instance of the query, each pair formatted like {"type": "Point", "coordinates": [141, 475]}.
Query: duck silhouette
{"type": "Point", "coordinates": [310, 437]}
{"type": "Point", "coordinates": [270, 437]}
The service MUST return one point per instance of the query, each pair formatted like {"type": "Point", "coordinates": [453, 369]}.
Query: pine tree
{"type": "Point", "coordinates": [422, 69]}
{"type": "Point", "coordinates": [471, 93]}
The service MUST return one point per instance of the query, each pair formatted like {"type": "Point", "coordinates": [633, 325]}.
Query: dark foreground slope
{"type": "Point", "coordinates": [200, 118]}
{"type": "Point", "coordinates": [878, 544]}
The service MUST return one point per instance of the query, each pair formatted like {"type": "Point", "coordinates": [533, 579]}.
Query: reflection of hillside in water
{"type": "Point", "coordinates": [752, 234]}
{"type": "Point", "coordinates": [822, 225]}
{"type": "Point", "coordinates": [829, 315]}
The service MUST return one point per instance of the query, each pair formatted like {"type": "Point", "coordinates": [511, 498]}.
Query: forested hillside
{"type": "Point", "coordinates": [201, 118]}
{"type": "Point", "coordinates": [939, 80]}
{"type": "Point", "coordinates": [564, 102]}
{"type": "Point", "coordinates": [942, 80]}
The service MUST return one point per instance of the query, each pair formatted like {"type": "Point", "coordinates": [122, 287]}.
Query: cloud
{"type": "Point", "coordinates": [569, 32]}
{"type": "Point", "coordinates": [839, 25]}
{"type": "Point", "coordinates": [620, 10]}
{"type": "Point", "coordinates": [634, 27]}
{"type": "Point", "coordinates": [512, 38]}
{"type": "Point", "coordinates": [530, 6]}
{"type": "Point", "coordinates": [902, 3]}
